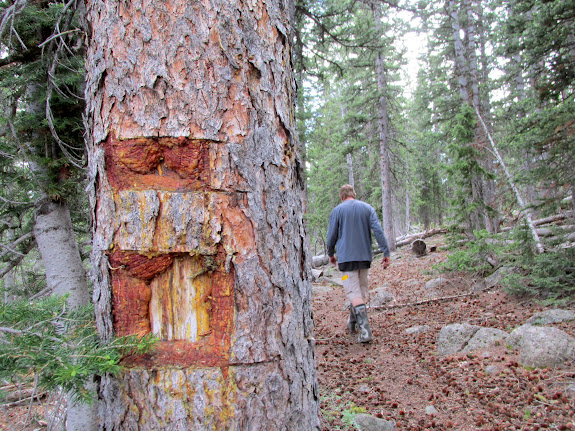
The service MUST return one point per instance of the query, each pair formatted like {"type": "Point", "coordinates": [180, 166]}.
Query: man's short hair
{"type": "Point", "coordinates": [347, 191]}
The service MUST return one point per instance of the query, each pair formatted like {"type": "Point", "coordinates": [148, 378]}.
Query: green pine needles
{"type": "Point", "coordinates": [46, 342]}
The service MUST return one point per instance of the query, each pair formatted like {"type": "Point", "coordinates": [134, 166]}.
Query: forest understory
{"type": "Point", "coordinates": [399, 376]}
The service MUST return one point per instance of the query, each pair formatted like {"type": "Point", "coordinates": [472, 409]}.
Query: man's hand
{"type": "Point", "coordinates": [333, 260]}
{"type": "Point", "coordinates": [385, 262]}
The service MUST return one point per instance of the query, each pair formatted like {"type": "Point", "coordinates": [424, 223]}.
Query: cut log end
{"type": "Point", "coordinates": [419, 247]}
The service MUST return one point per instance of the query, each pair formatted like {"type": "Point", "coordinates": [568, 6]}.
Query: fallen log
{"type": "Point", "coordinates": [316, 274]}
{"type": "Point", "coordinates": [318, 261]}
{"type": "Point", "coordinates": [545, 220]}
{"type": "Point", "coordinates": [567, 239]}
{"type": "Point", "coordinates": [548, 231]}
{"type": "Point", "coordinates": [422, 235]}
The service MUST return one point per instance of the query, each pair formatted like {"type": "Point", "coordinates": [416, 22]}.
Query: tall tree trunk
{"type": "Point", "coordinates": [461, 68]}
{"type": "Point", "coordinates": [65, 273]}
{"type": "Point", "coordinates": [56, 241]}
{"type": "Point", "coordinates": [198, 196]}
{"type": "Point", "coordinates": [482, 32]}
{"type": "Point", "coordinates": [9, 277]}
{"type": "Point", "coordinates": [487, 186]}
{"type": "Point", "coordinates": [384, 133]}
{"type": "Point", "coordinates": [407, 201]}
{"type": "Point", "coordinates": [472, 54]}
{"type": "Point", "coordinates": [348, 156]}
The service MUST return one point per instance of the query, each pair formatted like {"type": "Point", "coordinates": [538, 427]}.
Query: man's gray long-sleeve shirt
{"type": "Point", "coordinates": [350, 226]}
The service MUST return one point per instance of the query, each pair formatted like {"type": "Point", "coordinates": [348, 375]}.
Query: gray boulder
{"type": "Point", "coordinates": [485, 338]}
{"type": "Point", "coordinates": [434, 284]}
{"type": "Point", "coordinates": [316, 274]}
{"type": "Point", "coordinates": [380, 296]}
{"type": "Point", "coordinates": [453, 338]}
{"type": "Point", "coordinates": [544, 347]}
{"type": "Point", "coordinates": [496, 278]}
{"type": "Point", "coordinates": [516, 336]}
{"type": "Point", "coordinates": [367, 422]}
{"type": "Point", "coordinates": [549, 317]}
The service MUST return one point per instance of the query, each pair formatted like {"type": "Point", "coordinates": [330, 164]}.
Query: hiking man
{"type": "Point", "coordinates": [350, 226]}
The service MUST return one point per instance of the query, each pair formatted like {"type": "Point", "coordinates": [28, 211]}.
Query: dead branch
{"type": "Point", "coordinates": [31, 398]}
{"type": "Point", "coordinates": [425, 301]}
{"type": "Point", "coordinates": [10, 12]}
{"type": "Point", "coordinates": [44, 292]}
{"type": "Point", "coordinates": [15, 262]}
{"type": "Point", "coordinates": [10, 248]}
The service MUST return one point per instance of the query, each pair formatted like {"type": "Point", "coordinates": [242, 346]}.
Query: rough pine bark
{"type": "Point", "coordinates": [198, 201]}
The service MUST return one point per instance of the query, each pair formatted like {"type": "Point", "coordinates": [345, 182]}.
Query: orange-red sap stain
{"type": "Point", "coordinates": [175, 164]}
{"type": "Point", "coordinates": [141, 266]}
{"type": "Point", "coordinates": [132, 274]}
{"type": "Point", "coordinates": [130, 305]}
{"type": "Point", "coordinates": [211, 350]}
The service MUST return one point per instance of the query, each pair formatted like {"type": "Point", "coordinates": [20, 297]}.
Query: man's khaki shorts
{"type": "Point", "coordinates": [355, 284]}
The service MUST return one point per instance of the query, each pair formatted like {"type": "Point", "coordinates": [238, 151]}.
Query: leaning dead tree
{"type": "Point", "coordinates": [198, 201]}
{"type": "Point", "coordinates": [526, 210]}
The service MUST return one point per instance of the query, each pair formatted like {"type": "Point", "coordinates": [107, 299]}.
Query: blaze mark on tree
{"type": "Point", "coordinates": [172, 248]}
{"type": "Point", "coordinates": [158, 163]}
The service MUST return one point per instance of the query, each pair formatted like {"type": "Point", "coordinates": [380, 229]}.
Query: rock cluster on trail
{"type": "Point", "coordinates": [539, 346]}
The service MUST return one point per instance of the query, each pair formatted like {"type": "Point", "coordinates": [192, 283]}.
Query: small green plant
{"type": "Point", "coordinates": [348, 415]}
{"type": "Point", "coordinates": [334, 407]}
{"type": "Point", "coordinates": [330, 406]}
{"type": "Point", "coordinates": [527, 415]}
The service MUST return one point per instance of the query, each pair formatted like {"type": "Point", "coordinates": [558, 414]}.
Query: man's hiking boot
{"type": "Point", "coordinates": [352, 321]}
{"type": "Point", "coordinates": [365, 335]}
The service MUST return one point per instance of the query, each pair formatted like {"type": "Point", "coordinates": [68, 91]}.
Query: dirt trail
{"type": "Point", "coordinates": [398, 375]}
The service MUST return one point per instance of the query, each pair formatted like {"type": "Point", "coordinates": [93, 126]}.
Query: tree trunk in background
{"type": "Point", "coordinates": [460, 59]}
{"type": "Point", "coordinates": [348, 156]}
{"type": "Point", "coordinates": [65, 273]}
{"type": "Point", "coordinates": [486, 193]}
{"type": "Point", "coordinates": [56, 241]}
{"type": "Point", "coordinates": [383, 127]}
{"type": "Point", "coordinates": [482, 31]}
{"type": "Point", "coordinates": [467, 73]}
{"type": "Point", "coordinates": [472, 54]}
{"type": "Point", "coordinates": [198, 202]}
{"type": "Point", "coordinates": [9, 278]}
{"type": "Point", "coordinates": [407, 202]}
